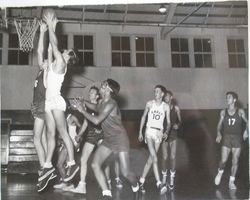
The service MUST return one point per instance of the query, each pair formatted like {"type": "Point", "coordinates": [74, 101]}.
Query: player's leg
{"type": "Point", "coordinates": [224, 157]}
{"type": "Point", "coordinates": [62, 157]}
{"type": "Point", "coordinates": [172, 162]}
{"type": "Point", "coordinates": [61, 125]}
{"type": "Point", "coordinates": [39, 125]}
{"type": "Point", "coordinates": [51, 131]}
{"type": "Point", "coordinates": [100, 156]}
{"type": "Point", "coordinates": [44, 139]}
{"type": "Point", "coordinates": [86, 152]}
{"type": "Point", "coordinates": [164, 148]}
{"type": "Point", "coordinates": [117, 174]}
{"type": "Point", "coordinates": [235, 159]}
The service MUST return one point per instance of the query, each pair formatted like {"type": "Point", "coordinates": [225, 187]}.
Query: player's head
{"type": "Point", "coordinates": [160, 91]}
{"type": "Point", "coordinates": [168, 96]}
{"type": "Point", "coordinates": [111, 86]}
{"type": "Point", "coordinates": [94, 94]}
{"type": "Point", "coordinates": [70, 57]}
{"type": "Point", "coordinates": [232, 97]}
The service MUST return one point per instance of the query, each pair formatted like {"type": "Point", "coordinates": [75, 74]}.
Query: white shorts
{"type": "Point", "coordinates": [55, 103]}
{"type": "Point", "coordinates": [154, 134]}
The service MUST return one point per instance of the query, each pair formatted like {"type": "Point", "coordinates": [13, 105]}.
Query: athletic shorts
{"type": "Point", "coordinates": [55, 103]}
{"type": "Point", "coordinates": [94, 136]}
{"type": "Point", "coordinates": [172, 136]}
{"type": "Point", "coordinates": [118, 143]}
{"type": "Point", "coordinates": [155, 134]}
{"type": "Point", "coordinates": [232, 141]}
{"type": "Point", "coordinates": [38, 110]}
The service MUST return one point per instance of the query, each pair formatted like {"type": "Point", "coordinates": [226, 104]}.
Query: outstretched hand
{"type": "Point", "coordinates": [140, 137]}
{"type": "Point", "coordinates": [78, 105]}
{"type": "Point", "coordinates": [218, 138]}
{"type": "Point", "coordinates": [43, 26]}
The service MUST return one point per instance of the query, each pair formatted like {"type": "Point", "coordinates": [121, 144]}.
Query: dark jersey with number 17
{"type": "Point", "coordinates": [232, 124]}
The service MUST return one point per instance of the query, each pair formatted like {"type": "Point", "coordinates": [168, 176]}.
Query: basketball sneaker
{"type": "Point", "coordinates": [60, 185]}
{"type": "Point", "coordinates": [80, 188]}
{"type": "Point", "coordinates": [43, 183]}
{"type": "Point", "coordinates": [45, 173]}
{"type": "Point", "coordinates": [162, 188]}
{"type": "Point", "coordinates": [231, 184]}
{"type": "Point", "coordinates": [118, 183]}
{"type": "Point", "coordinates": [171, 182]}
{"type": "Point", "coordinates": [218, 177]}
{"type": "Point", "coordinates": [67, 188]}
{"type": "Point", "coordinates": [142, 189]}
{"type": "Point", "coordinates": [71, 172]}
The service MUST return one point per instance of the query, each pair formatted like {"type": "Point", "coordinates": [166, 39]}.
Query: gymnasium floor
{"type": "Point", "coordinates": [196, 165]}
{"type": "Point", "coordinates": [192, 182]}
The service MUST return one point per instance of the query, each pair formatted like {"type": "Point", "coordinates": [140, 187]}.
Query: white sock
{"type": "Point", "coordinates": [232, 178]}
{"type": "Point", "coordinates": [142, 180]}
{"type": "Point", "coordinates": [106, 193]}
{"type": "Point", "coordinates": [158, 183]}
{"type": "Point", "coordinates": [47, 165]}
{"type": "Point", "coordinates": [164, 173]}
{"type": "Point", "coordinates": [220, 171]}
{"type": "Point", "coordinates": [172, 173]}
{"type": "Point", "coordinates": [71, 163]}
{"type": "Point", "coordinates": [117, 178]}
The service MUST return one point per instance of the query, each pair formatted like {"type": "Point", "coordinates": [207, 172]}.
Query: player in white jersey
{"type": "Point", "coordinates": [156, 111]}
{"type": "Point", "coordinates": [55, 105]}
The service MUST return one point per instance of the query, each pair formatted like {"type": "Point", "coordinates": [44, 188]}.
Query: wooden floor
{"type": "Point", "coordinates": [197, 160]}
{"type": "Point", "coordinates": [194, 180]}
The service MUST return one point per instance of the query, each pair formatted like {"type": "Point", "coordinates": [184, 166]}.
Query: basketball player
{"type": "Point", "coordinates": [231, 120]}
{"type": "Point", "coordinates": [73, 124]}
{"type": "Point", "coordinates": [38, 107]}
{"type": "Point", "coordinates": [55, 105]}
{"type": "Point", "coordinates": [156, 111]}
{"type": "Point", "coordinates": [93, 138]}
{"type": "Point", "coordinates": [115, 136]}
{"type": "Point", "coordinates": [169, 145]}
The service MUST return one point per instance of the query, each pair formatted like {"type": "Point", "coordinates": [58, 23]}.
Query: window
{"type": "Point", "coordinates": [85, 47]}
{"type": "Point", "coordinates": [15, 55]}
{"type": "Point", "coordinates": [120, 51]}
{"type": "Point", "coordinates": [202, 53]}
{"type": "Point", "coordinates": [236, 53]}
{"type": "Point", "coordinates": [145, 56]}
{"type": "Point", "coordinates": [179, 52]}
{"type": "Point", "coordinates": [1, 47]}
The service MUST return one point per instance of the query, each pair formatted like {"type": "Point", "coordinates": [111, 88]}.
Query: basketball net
{"type": "Point", "coordinates": [26, 32]}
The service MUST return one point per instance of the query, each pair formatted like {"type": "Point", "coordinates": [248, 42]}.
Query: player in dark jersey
{"type": "Point", "coordinates": [93, 138]}
{"type": "Point", "coordinates": [38, 106]}
{"type": "Point", "coordinates": [115, 137]}
{"type": "Point", "coordinates": [169, 144]}
{"type": "Point", "coordinates": [231, 122]}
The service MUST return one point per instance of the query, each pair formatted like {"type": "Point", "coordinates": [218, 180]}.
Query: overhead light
{"type": "Point", "coordinates": [162, 9]}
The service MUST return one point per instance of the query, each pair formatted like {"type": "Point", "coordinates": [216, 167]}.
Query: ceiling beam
{"type": "Point", "coordinates": [208, 12]}
{"type": "Point", "coordinates": [125, 14]}
{"type": "Point", "coordinates": [183, 19]}
{"type": "Point", "coordinates": [168, 18]}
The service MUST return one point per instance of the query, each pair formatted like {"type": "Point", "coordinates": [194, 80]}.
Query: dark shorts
{"type": "Point", "coordinates": [38, 110]}
{"type": "Point", "coordinates": [94, 137]}
{"type": "Point", "coordinates": [117, 143]}
{"type": "Point", "coordinates": [232, 141]}
{"type": "Point", "coordinates": [172, 136]}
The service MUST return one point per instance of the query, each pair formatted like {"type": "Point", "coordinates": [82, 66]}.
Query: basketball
{"type": "Point", "coordinates": [49, 11]}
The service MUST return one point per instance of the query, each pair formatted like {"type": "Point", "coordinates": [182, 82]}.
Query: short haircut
{"type": "Point", "coordinates": [94, 88]}
{"type": "Point", "coordinates": [114, 85]}
{"type": "Point", "coordinates": [163, 89]}
{"type": "Point", "coordinates": [234, 94]}
{"type": "Point", "coordinates": [169, 92]}
{"type": "Point", "coordinates": [73, 58]}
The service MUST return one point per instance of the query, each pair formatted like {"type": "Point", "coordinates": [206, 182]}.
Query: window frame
{"type": "Point", "coordinates": [245, 53]}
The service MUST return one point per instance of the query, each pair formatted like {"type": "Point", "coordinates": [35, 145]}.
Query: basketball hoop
{"type": "Point", "coordinates": [26, 31]}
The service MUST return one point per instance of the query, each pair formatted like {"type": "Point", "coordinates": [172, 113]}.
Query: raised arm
{"type": "Point", "coordinates": [143, 119]}
{"type": "Point", "coordinates": [40, 48]}
{"type": "Point", "coordinates": [178, 112]}
{"type": "Point", "coordinates": [219, 126]}
{"type": "Point", "coordinates": [51, 22]}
